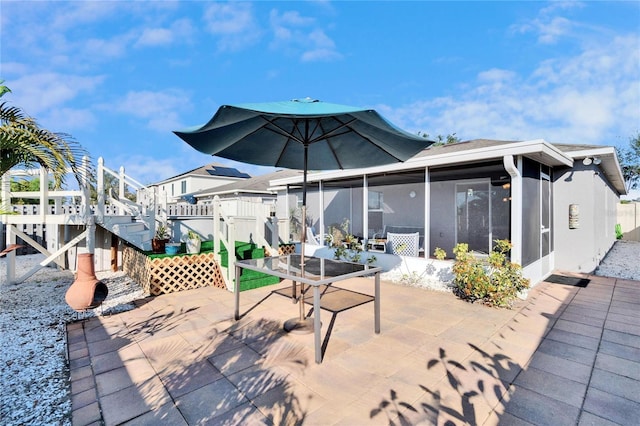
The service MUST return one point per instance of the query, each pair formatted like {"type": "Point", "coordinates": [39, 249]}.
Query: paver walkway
{"type": "Point", "coordinates": [567, 355]}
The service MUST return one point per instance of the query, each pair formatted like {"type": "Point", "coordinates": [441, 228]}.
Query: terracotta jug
{"type": "Point", "coordinates": [87, 291]}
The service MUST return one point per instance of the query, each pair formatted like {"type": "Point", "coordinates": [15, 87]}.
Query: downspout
{"type": "Point", "coordinates": [516, 208]}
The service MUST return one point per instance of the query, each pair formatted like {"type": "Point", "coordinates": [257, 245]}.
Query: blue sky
{"type": "Point", "coordinates": [120, 76]}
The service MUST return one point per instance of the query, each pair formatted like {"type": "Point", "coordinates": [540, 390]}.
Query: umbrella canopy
{"type": "Point", "coordinates": [303, 134]}
{"type": "Point", "coordinates": [278, 134]}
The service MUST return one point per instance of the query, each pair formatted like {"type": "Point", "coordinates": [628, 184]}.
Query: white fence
{"type": "Point", "coordinates": [629, 220]}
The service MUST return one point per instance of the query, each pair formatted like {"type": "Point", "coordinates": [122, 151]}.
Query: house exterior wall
{"type": "Point", "coordinates": [193, 184]}
{"type": "Point", "coordinates": [581, 249]}
{"type": "Point", "coordinates": [400, 209]}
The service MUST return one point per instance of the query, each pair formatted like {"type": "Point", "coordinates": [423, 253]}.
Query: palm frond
{"type": "Point", "coordinates": [23, 142]}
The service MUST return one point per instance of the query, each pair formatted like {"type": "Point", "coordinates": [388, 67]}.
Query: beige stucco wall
{"type": "Point", "coordinates": [629, 220]}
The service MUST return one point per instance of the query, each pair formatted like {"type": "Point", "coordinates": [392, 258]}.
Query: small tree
{"type": "Point", "coordinates": [630, 162]}
{"type": "Point", "coordinates": [442, 140]}
{"type": "Point", "coordinates": [111, 185]}
{"type": "Point", "coordinates": [28, 185]}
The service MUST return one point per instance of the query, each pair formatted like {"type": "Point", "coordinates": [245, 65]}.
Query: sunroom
{"type": "Point", "coordinates": [471, 192]}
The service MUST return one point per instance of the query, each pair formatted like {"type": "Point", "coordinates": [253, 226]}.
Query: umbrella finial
{"type": "Point", "coordinates": [306, 100]}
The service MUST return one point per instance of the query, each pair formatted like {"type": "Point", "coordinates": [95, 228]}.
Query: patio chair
{"type": "Point", "coordinates": [404, 244]}
{"type": "Point", "coordinates": [312, 238]}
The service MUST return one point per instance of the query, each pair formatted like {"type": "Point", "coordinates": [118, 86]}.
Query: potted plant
{"type": "Point", "coordinates": [160, 239]}
{"type": "Point", "coordinates": [193, 242]}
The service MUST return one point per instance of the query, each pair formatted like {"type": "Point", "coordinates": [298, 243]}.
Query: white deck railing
{"type": "Point", "coordinates": [150, 208]}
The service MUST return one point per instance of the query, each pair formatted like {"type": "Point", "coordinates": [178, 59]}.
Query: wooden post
{"type": "Point", "coordinates": [114, 253]}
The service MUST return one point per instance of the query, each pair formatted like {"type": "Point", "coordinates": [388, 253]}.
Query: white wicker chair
{"type": "Point", "coordinates": [312, 238]}
{"type": "Point", "coordinates": [404, 244]}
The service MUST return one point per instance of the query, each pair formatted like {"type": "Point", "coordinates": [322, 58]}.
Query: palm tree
{"type": "Point", "coordinates": [24, 142]}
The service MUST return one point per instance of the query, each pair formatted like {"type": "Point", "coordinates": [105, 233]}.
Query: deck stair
{"type": "Point", "coordinates": [128, 228]}
{"type": "Point", "coordinates": [135, 220]}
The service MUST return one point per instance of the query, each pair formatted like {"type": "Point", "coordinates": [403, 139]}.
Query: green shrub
{"type": "Point", "coordinates": [345, 245]}
{"type": "Point", "coordinates": [494, 281]}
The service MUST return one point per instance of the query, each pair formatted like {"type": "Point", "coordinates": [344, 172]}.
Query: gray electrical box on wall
{"type": "Point", "coordinates": [574, 215]}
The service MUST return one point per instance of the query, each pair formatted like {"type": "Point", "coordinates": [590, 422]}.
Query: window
{"type": "Point", "coordinates": [183, 187]}
{"type": "Point", "coordinates": [375, 200]}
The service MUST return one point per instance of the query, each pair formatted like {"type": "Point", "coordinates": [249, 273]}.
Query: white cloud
{"type": "Point", "coordinates": [155, 37]}
{"type": "Point", "coordinates": [292, 33]}
{"type": "Point", "coordinates": [159, 109]}
{"type": "Point", "coordinates": [11, 68]}
{"type": "Point", "coordinates": [105, 49]}
{"type": "Point", "coordinates": [592, 98]}
{"type": "Point", "coordinates": [59, 34]}
{"type": "Point", "coordinates": [179, 30]}
{"type": "Point", "coordinates": [228, 18]}
{"type": "Point", "coordinates": [69, 119]}
{"type": "Point", "coordinates": [320, 54]}
{"type": "Point", "coordinates": [39, 94]}
{"type": "Point", "coordinates": [148, 170]}
{"type": "Point", "coordinates": [550, 31]}
{"type": "Point", "coordinates": [233, 23]}
{"type": "Point", "coordinates": [80, 13]}
{"type": "Point", "coordinates": [323, 48]}
{"type": "Point", "coordinates": [289, 18]}
{"type": "Point", "coordinates": [547, 25]}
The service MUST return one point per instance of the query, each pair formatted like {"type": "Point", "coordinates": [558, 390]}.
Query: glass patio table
{"type": "Point", "coordinates": [315, 272]}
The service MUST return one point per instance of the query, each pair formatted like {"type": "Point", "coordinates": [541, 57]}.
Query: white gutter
{"type": "Point", "coordinates": [230, 191]}
{"type": "Point", "coordinates": [516, 207]}
{"type": "Point", "coordinates": [543, 149]}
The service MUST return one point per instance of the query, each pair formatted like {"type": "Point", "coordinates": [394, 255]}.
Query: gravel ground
{"type": "Point", "coordinates": [622, 261]}
{"type": "Point", "coordinates": [34, 380]}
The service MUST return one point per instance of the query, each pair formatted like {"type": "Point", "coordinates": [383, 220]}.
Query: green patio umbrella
{"type": "Point", "coordinates": [303, 134]}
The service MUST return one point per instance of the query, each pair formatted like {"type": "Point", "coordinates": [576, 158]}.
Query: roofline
{"type": "Point", "coordinates": [607, 152]}
{"type": "Point", "coordinates": [185, 175]}
{"type": "Point", "coordinates": [536, 146]}
{"type": "Point", "coordinates": [232, 191]}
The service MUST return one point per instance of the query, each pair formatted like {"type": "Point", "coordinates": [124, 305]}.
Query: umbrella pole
{"type": "Point", "coordinates": [302, 325]}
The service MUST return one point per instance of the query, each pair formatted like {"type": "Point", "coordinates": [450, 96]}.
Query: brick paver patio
{"type": "Point", "coordinates": [567, 355]}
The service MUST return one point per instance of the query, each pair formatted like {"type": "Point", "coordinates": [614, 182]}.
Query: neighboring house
{"type": "Point", "coordinates": [242, 199]}
{"type": "Point", "coordinates": [256, 189]}
{"type": "Point", "coordinates": [205, 177]}
{"type": "Point", "coordinates": [555, 202]}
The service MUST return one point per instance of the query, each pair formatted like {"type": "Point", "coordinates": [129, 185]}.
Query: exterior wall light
{"type": "Point", "coordinates": [589, 160]}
